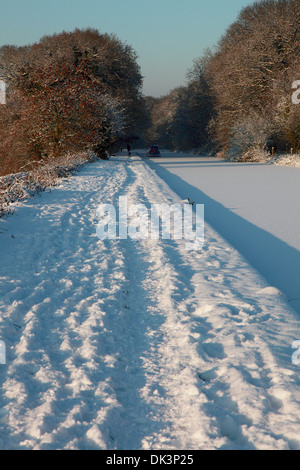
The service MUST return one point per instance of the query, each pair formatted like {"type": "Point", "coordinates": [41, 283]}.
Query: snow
{"type": "Point", "coordinates": [288, 160]}
{"type": "Point", "coordinates": [23, 185]}
{"type": "Point", "coordinates": [254, 206]}
{"type": "Point", "coordinates": [134, 343]}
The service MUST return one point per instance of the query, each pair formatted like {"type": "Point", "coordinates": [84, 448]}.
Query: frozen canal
{"type": "Point", "coordinates": [256, 207]}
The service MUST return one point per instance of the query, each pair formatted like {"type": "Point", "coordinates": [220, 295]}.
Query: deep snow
{"type": "Point", "coordinates": [137, 344]}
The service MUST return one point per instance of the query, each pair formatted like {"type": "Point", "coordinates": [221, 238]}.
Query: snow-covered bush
{"type": "Point", "coordinates": [249, 137]}
{"type": "Point", "coordinates": [286, 160]}
{"type": "Point", "coordinates": [23, 185]}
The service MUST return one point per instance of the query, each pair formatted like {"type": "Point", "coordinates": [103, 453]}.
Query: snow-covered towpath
{"type": "Point", "coordinates": [137, 344]}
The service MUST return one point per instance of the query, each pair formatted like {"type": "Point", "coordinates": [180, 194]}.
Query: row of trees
{"type": "Point", "coordinates": [238, 97]}
{"type": "Point", "coordinates": [82, 91]}
{"type": "Point", "coordinates": [69, 92]}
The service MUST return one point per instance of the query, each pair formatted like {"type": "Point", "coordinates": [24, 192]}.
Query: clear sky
{"type": "Point", "coordinates": [166, 34]}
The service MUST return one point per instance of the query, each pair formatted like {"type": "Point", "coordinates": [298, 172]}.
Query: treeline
{"type": "Point", "coordinates": [81, 91]}
{"type": "Point", "coordinates": [237, 100]}
{"type": "Point", "coordinates": [71, 92]}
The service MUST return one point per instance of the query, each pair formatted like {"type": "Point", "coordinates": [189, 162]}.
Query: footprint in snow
{"type": "Point", "coordinates": [214, 350]}
{"type": "Point", "coordinates": [207, 375]}
{"type": "Point", "coordinates": [229, 428]}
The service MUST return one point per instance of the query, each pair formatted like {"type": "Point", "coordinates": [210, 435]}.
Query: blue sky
{"type": "Point", "coordinates": [166, 34]}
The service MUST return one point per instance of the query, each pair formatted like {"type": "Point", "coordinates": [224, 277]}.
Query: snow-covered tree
{"type": "Point", "coordinates": [69, 92]}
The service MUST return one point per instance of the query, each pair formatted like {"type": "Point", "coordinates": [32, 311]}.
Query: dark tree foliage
{"type": "Point", "coordinates": [69, 92]}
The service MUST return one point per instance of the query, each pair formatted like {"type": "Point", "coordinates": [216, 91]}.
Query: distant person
{"type": "Point", "coordinates": [128, 149]}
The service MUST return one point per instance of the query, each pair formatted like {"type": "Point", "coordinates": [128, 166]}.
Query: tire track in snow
{"type": "Point", "coordinates": [171, 367]}
{"type": "Point", "coordinates": [156, 310]}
